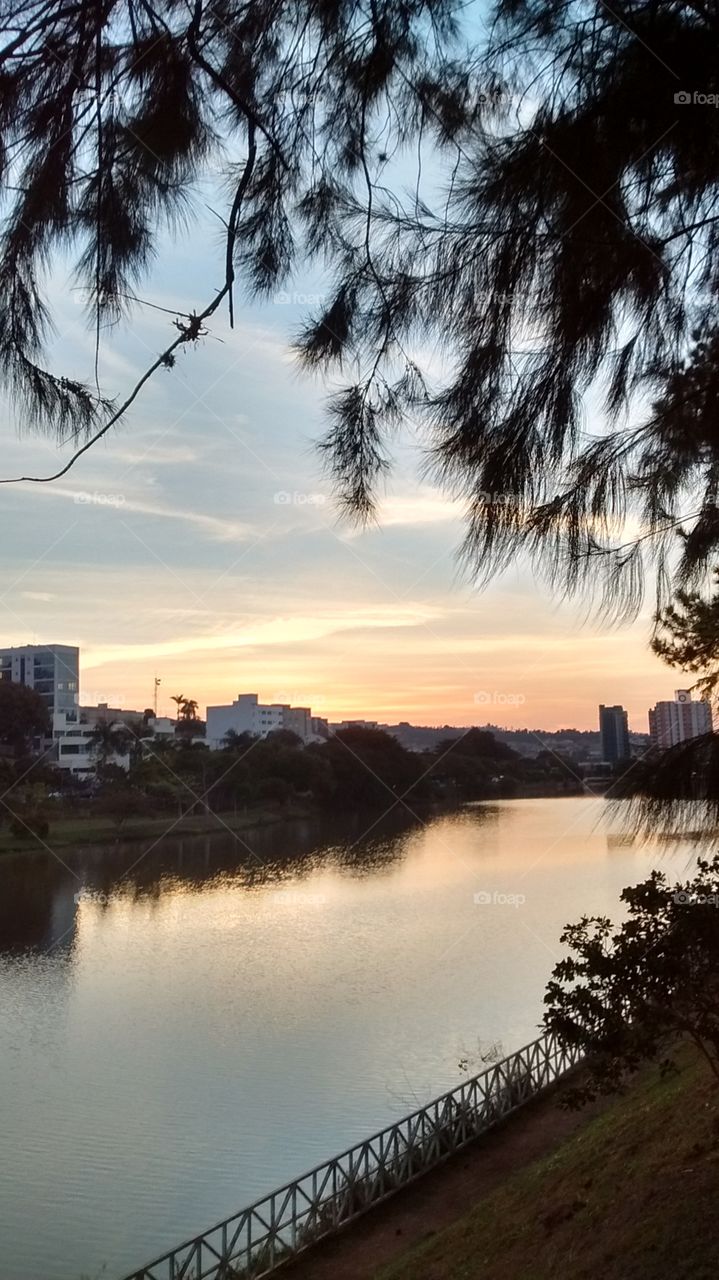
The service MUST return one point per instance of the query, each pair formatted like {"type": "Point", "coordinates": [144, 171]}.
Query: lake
{"type": "Point", "coordinates": [183, 1028]}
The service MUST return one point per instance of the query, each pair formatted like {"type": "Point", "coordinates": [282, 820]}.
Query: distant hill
{"type": "Point", "coordinates": [577, 744]}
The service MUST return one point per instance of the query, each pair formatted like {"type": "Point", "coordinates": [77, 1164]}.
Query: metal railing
{"type": "Point", "coordinates": [258, 1239]}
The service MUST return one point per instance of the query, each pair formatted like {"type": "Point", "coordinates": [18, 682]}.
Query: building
{"type": "Point", "coordinates": [248, 715]}
{"type": "Point", "coordinates": [115, 715]}
{"type": "Point", "coordinates": [678, 721]}
{"type": "Point", "coordinates": [53, 671]}
{"type": "Point", "coordinates": [614, 733]}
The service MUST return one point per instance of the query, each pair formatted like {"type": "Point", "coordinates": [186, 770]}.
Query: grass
{"type": "Point", "coordinates": [79, 830]}
{"type": "Point", "coordinates": [632, 1196]}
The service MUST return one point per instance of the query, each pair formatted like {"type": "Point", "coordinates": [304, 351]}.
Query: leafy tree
{"type": "Point", "coordinates": [687, 635]}
{"type": "Point", "coordinates": [23, 717]}
{"type": "Point", "coordinates": [234, 741]}
{"type": "Point", "coordinates": [188, 726]}
{"type": "Point", "coordinates": [108, 739]}
{"type": "Point", "coordinates": [274, 788]}
{"type": "Point", "coordinates": [121, 802]}
{"type": "Point", "coordinates": [26, 812]}
{"type": "Point", "coordinates": [628, 995]}
{"type": "Point", "coordinates": [480, 743]}
{"type": "Point", "coordinates": [574, 264]}
{"type": "Point", "coordinates": [369, 767]}
{"type": "Point", "coordinates": [679, 788]}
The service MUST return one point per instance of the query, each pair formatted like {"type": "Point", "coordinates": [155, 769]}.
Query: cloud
{"type": "Point", "coordinates": [216, 527]}
{"type": "Point", "coordinates": [291, 630]}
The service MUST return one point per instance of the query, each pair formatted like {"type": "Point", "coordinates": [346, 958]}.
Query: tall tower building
{"type": "Point", "coordinates": [53, 671]}
{"type": "Point", "coordinates": [673, 722]}
{"type": "Point", "coordinates": [614, 730]}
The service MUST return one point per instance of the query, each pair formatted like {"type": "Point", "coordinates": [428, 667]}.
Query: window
{"type": "Point", "coordinates": [68, 749]}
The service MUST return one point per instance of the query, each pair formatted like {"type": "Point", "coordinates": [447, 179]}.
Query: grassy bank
{"type": "Point", "coordinates": [632, 1196]}
{"type": "Point", "coordinates": [78, 830]}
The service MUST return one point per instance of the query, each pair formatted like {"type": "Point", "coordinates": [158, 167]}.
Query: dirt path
{"type": "Point", "coordinates": [440, 1197]}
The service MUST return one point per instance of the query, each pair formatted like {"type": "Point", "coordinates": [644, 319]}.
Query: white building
{"type": "Point", "coordinates": [248, 715]}
{"type": "Point", "coordinates": [76, 753]}
{"type": "Point", "coordinates": [678, 721]}
{"type": "Point", "coordinates": [53, 671]}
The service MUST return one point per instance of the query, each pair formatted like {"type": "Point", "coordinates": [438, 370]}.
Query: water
{"type": "Point", "coordinates": [212, 1020]}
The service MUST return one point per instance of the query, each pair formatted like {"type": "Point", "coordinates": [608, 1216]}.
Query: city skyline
{"type": "Point", "coordinates": [87, 698]}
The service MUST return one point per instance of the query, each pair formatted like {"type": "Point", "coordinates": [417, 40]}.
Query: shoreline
{"type": "Point", "coordinates": [81, 832]}
{"type": "Point", "coordinates": [84, 830]}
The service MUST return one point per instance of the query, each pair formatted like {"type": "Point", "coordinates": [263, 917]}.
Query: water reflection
{"type": "Point", "coordinates": [40, 895]}
{"type": "Point", "coordinates": [184, 1026]}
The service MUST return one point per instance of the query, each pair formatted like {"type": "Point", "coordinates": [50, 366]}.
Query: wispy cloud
{"type": "Point", "coordinates": [217, 527]}
{"type": "Point", "coordinates": [276, 631]}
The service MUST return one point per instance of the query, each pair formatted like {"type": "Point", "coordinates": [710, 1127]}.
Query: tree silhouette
{"type": "Point", "coordinates": [110, 114]}
{"type": "Point", "coordinates": [571, 254]}
{"type": "Point", "coordinates": [23, 717]}
{"type": "Point", "coordinates": [108, 739]}
{"type": "Point", "coordinates": [628, 995]}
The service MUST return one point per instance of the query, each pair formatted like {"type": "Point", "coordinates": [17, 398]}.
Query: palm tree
{"type": "Point", "coordinates": [108, 739]}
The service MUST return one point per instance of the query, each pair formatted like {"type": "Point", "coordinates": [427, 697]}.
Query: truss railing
{"type": "Point", "coordinates": [258, 1239]}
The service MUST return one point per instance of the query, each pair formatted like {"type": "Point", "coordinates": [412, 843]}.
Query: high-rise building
{"type": "Point", "coordinates": [673, 722]}
{"type": "Point", "coordinates": [614, 730]}
{"type": "Point", "coordinates": [53, 671]}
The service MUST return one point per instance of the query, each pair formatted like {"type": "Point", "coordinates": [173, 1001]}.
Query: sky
{"type": "Point", "coordinates": [200, 543]}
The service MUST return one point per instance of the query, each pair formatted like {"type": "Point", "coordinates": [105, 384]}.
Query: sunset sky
{"type": "Point", "coordinates": [200, 543]}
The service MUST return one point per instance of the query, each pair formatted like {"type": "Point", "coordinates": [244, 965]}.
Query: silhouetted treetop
{"type": "Point", "coordinates": [564, 265]}
{"type": "Point", "coordinates": [111, 110]}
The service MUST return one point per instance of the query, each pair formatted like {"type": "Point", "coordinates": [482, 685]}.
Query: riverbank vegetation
{"type": "Point", "coordinates": [141, 783]}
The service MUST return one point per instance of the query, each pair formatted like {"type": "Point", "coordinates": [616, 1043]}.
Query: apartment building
{"type": "Point", "coordinates": [53, 671]}
{"type": "Point", "coordinates": [673, 722]}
